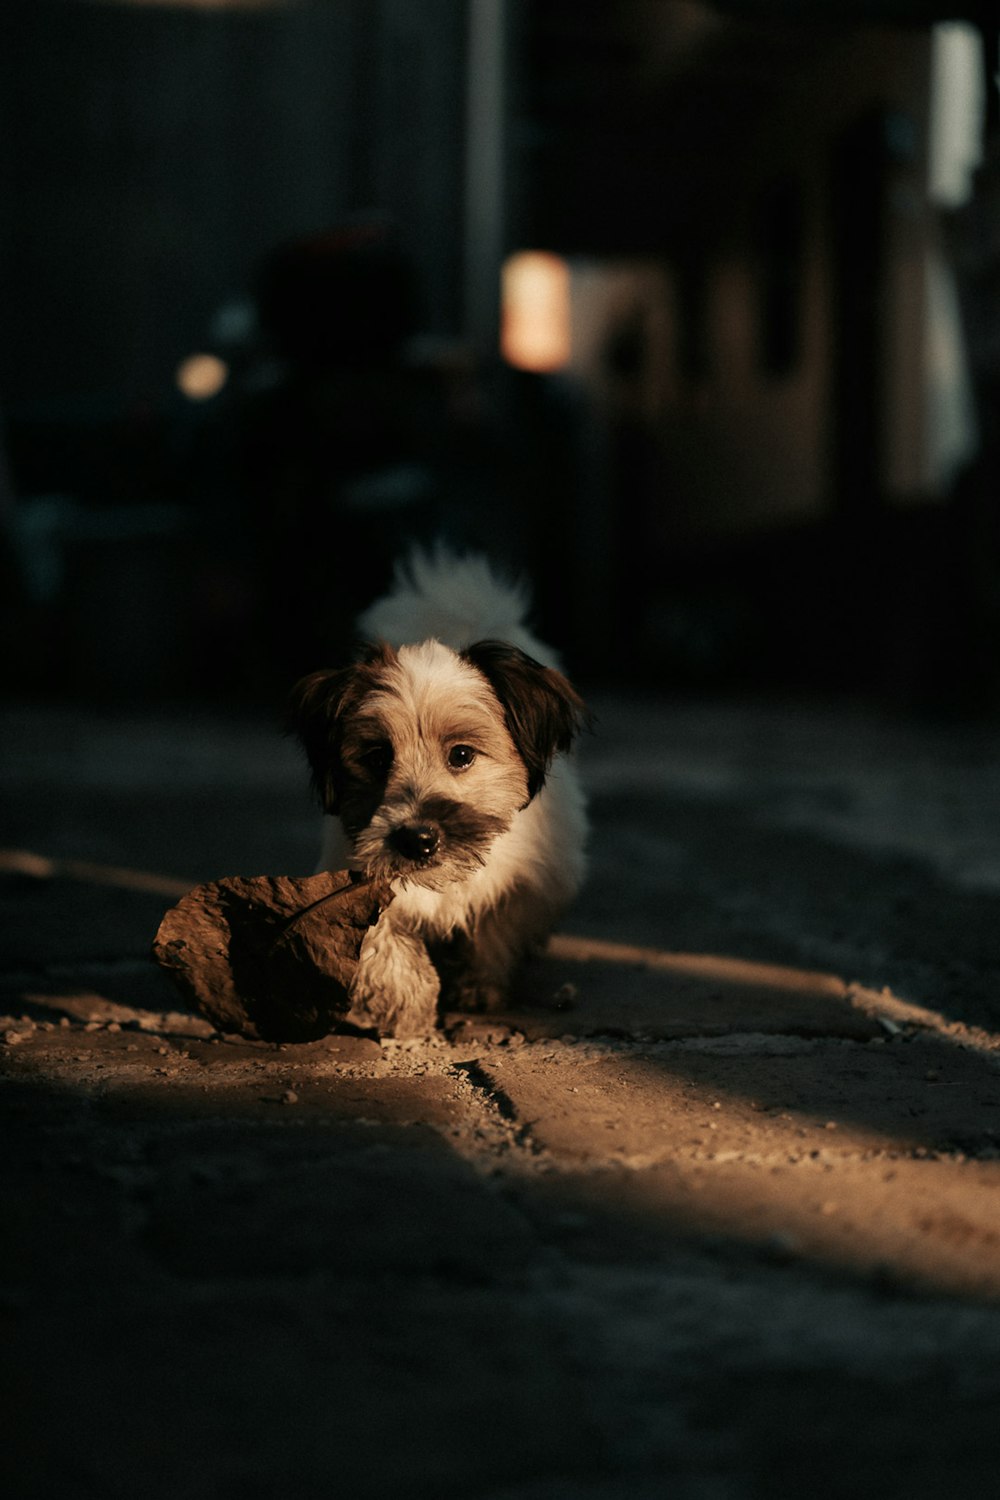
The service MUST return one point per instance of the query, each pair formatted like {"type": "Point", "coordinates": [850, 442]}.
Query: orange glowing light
{"type": "Point", "coordinates": [201, 376]}
{"type": "Point", "coordinates": [535, 311]}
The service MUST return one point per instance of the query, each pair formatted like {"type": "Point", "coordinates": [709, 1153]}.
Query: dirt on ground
{"type": "Point", "coordinates": [711, 1212]}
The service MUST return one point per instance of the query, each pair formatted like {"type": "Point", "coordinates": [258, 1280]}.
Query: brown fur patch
{"type": "Point", "coordinates": [320, 706]}
{"type": "Point", "coordinates": [542, 710]}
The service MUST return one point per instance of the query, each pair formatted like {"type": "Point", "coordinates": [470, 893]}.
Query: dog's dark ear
{"type": "Point", "coordinates": [313, 715]}
{"type": "Point", "coordinates": [543, 711]}
{"type": "Point", "coordinates": [317, 707]}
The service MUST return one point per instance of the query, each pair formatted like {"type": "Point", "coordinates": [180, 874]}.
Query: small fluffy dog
{"type": "Point", "coordinates": [441, 757]}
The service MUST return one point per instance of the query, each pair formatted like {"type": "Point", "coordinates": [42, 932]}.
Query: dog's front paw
{"type": "Point", "coordinates": [396, 987]}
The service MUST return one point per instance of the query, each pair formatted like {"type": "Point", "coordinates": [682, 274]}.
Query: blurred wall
{"type": "Point", "coordinates": [152, 154]}
{"type": "Point", "coordinates": [768, 343]}
{"type": "Point", "coordinates": [762, 300]}
{"type": "Point", "coordinates": [741, 312]}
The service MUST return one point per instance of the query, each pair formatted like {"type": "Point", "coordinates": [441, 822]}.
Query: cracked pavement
{"type": "Point", "coordinates": [713, 1211]}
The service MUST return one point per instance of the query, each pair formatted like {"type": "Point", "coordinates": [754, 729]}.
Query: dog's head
{"type": "Point", "coordinates": [427, 754]}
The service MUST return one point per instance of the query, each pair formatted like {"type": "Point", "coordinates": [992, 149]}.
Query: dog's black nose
{"type": "Point", "coordinates": [415, 840]}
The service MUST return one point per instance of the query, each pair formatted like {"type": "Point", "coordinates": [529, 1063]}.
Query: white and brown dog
{"type": "Point", "coordinates": [441, 758]}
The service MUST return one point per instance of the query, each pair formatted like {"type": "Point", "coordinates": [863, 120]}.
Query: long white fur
{"type": "Point", "coordinates": [455, 600]}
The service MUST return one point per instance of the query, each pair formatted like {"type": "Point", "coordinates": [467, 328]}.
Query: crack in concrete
{"type": "Point", "coordinates": [501, 1132]}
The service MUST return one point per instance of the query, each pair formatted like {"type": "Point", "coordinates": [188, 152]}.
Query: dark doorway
{"type": "Point", "coordinates": [858, 201]}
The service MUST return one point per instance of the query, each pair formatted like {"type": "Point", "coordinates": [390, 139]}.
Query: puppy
{"type": "Point", "coordinates": [441, 759]}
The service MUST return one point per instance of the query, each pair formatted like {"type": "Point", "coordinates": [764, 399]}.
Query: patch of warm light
{"type": "Point", "coordinates": [535, 311]}
{"type": "Point", "coordinates": [41, 867]}
{"type": "Point", "coordinates": [202, 376]}
{"type": "Point", "coordinates": [708, 966]}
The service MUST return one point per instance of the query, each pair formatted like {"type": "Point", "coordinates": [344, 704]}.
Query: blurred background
{"type": "Point", "coordinates": [689, 311]}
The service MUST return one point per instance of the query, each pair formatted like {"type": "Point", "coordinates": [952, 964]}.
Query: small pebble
{"type": "Point", "coordinates": [289, 1097]}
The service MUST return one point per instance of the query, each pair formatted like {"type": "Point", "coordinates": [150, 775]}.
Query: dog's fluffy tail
{"type": "Point", "coordinates": [453, 599]}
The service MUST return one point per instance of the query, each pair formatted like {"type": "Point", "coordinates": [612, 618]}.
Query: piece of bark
{"type": "Point", "coordinates": [272, 956]}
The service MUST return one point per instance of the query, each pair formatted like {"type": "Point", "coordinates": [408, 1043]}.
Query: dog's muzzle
{"type": "Point", "coordinates": [435, 842]}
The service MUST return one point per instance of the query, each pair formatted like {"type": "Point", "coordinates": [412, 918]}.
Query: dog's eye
{"type": "Point", "coordinates": [460, 757]}
{"type": "Point", "coordinates": [377, 757]}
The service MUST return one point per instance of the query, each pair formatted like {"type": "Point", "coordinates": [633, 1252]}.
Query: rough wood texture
{"type": "Point", "coordinates": [276, 957]}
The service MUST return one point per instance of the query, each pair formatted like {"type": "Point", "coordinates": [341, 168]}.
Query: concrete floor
{"type": "Point", "coordinates": [712, 1213]}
